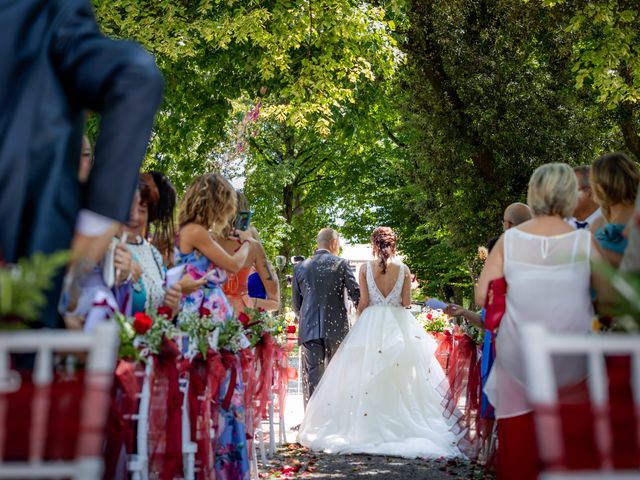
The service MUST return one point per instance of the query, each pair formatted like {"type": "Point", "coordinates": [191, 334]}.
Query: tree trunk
{"type": "Point", "coordinates": [285, 249]}
{"type": "Point", "coordinates": [628, 126]}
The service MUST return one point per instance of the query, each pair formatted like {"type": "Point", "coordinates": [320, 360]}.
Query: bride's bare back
{"type": "Point", "coordinates": [385, 281]}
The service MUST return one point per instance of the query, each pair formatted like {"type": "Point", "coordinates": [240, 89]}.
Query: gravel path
{"type": "Point", "coordinates": [295, 461]}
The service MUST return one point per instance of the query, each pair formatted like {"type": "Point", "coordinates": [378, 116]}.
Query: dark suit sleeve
{"type": "Point", "coordinates": [119, 80]}
{"type": "Point", "coordinates": [350, 282]}
{"type": "Point", "coordinates": [296, 299]}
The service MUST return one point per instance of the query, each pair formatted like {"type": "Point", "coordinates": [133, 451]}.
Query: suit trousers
{"type": "Point", "coordinates": [316, 355]}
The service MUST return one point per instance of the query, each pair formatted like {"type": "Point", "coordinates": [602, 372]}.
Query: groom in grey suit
{"type": "Point", "coordinates": [319, 285]}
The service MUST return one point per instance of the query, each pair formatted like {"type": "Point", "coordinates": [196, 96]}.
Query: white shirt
{"type": "Point", "coordinates": [92, 224]}
{"type": "Point", "coordinates": [573, 221]}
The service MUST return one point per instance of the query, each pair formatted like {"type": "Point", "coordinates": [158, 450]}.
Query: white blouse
{"type": "Point", "coordinates": [548, 282]}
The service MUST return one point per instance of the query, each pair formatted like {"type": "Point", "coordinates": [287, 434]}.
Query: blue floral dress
{"type": "Point", "coordinates": [231, 455]}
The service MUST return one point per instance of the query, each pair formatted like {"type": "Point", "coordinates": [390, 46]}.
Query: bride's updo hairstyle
{"type": "Point", "coordinates": [383, 241]}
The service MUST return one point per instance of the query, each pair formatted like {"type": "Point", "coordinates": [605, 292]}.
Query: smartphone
{"type": "Point", "coordinates": [242, 220]}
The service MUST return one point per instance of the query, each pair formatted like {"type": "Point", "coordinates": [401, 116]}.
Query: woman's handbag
{"type": "Point", "coordinates": [495, 304]}
{"type": "Point", "coordinates": [494, 309]}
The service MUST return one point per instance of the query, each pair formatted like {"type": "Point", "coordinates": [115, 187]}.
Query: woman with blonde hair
{"type": "Point", "coordinates": [547, 266]}
{"type": "Point", "coordinates": [614, 181]}
{"type": "Point", "coordinates": [206, 209]}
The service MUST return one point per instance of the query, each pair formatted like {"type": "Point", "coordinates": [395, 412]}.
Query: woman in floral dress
{"type": "Point", "coordinates": [206, 208]}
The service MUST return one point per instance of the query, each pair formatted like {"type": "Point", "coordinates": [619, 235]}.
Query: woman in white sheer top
{"type": "Point", "coordinates": [547, 266]}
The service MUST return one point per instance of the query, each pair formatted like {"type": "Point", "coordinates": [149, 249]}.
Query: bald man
{"type": "Point", "coordinates": [318, 286]}
{"type": "Point", "coordinates": [515, 214]}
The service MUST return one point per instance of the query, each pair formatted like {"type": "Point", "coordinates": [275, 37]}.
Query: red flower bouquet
{"type": "Point", "coordinates": [142, 323]}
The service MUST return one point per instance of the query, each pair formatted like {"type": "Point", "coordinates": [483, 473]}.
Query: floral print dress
{"type": "Point", "coordinates": [231, 453]}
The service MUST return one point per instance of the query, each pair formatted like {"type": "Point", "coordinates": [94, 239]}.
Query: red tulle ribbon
{"type": "Point", "coordinates": [264, 353]}
{"type": "Point", "coordinates": [165, 414]}
{"type": "Point", "coordinates": [249, 377]}
{"type": "Point", "coordinates": [460, 358]}
{"type": "Point", "coordinates": [281, 375]}
{"type": "Point", "coordinates": [205, 376]}
{"type": "Point", "coordinates": [443, 352]}
{"type": "Point", "coordinates": [59, 406]}
{"type": "Point", "coordinates": [229, 360]}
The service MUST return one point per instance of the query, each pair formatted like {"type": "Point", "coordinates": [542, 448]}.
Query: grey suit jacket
{"type": "Point", "coordinates": [319, 285]}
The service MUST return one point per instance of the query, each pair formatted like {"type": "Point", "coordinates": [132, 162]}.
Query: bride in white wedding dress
{"type": "Point", "coordinates": [378, 394]}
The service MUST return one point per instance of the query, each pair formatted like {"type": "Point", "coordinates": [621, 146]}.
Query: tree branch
{"type": "Point", "coordinates": [266, 157]}
{"type": "Point", "coordinates": [392, 136]}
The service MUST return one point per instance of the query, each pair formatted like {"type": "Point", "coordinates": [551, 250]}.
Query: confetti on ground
{"type": "Point", "coordinates": [293, 461]}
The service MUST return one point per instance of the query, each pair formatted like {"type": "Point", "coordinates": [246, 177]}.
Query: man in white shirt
{"type": "Point", "coordinates": [587, 211]}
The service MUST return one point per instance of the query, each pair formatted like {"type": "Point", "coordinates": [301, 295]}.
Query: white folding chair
{"type": "Point", "coordinates": [539, 349]}
{"type": "Point", "coordinates": [189, 447]}
{"type": "Point", "coordinates": [100, 347]}
{"type": "Point", "coordinates": [138, 463]}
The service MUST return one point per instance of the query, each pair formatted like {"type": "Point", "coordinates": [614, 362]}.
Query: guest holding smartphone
{"type": "Point", "coordinates": [237, 286]}
{"type": "Point", "coordinates": [206, 209]}
{"type": "Point", "coordinates": [208, 206]}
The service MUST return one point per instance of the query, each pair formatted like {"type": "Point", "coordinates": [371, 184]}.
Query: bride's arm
{"type": "Point", "coordinates": [406, 287]}
{"type": "Point", "coordinates": [364, 291]}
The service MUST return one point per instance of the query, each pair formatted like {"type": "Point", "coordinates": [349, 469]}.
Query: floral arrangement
{"type": "Point", "coordinates": [476, 334]}
{"type": "Point", "coordinates": [434, 320]}
{"type": "Point", "coordinates": [205, 333]}
{"type": "Point", "coordinates": [256, 323]}
{"type": "Point", "coordinates": [202, 331]}
{"type": "Point", "coordinates": [282, 326]}
{"type": "Point", "coordinates": [144, 333]}
{"type": "Point", "coordinates": [625, 311]}
{"type": "Point", "coordinates": [232, 335]}
{"type": "Point", "coordinates": [22, 288]}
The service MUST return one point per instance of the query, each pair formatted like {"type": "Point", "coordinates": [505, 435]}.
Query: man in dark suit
{"type": "Point", "coordinates": [319, 285]}
{"type": "Point", "coordinates": [56, 65]}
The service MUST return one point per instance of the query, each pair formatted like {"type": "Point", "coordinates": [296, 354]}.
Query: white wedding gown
{"type": "Point", "coordinates": [378, 394]}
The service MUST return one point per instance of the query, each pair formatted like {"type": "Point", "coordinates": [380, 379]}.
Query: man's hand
{"type": "Point", "coordinates": [454, 310]}
{"type": "Point", "coordinates": [471, 317]}
{"type": "Point", "coordinates": [73, 322]}
{"type": "Point", "coordinates": [86, 252]}
{"type": "Point", "coordinates": [136, 271]}
{"type": "Point", "coordinates": [122, 262]}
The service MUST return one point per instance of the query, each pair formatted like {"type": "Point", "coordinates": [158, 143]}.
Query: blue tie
{"type": "Point", "coordinates": [581, 224]}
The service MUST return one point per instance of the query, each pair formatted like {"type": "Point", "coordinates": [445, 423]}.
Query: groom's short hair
{"type": "Point", "coordinates": [325, 236]}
